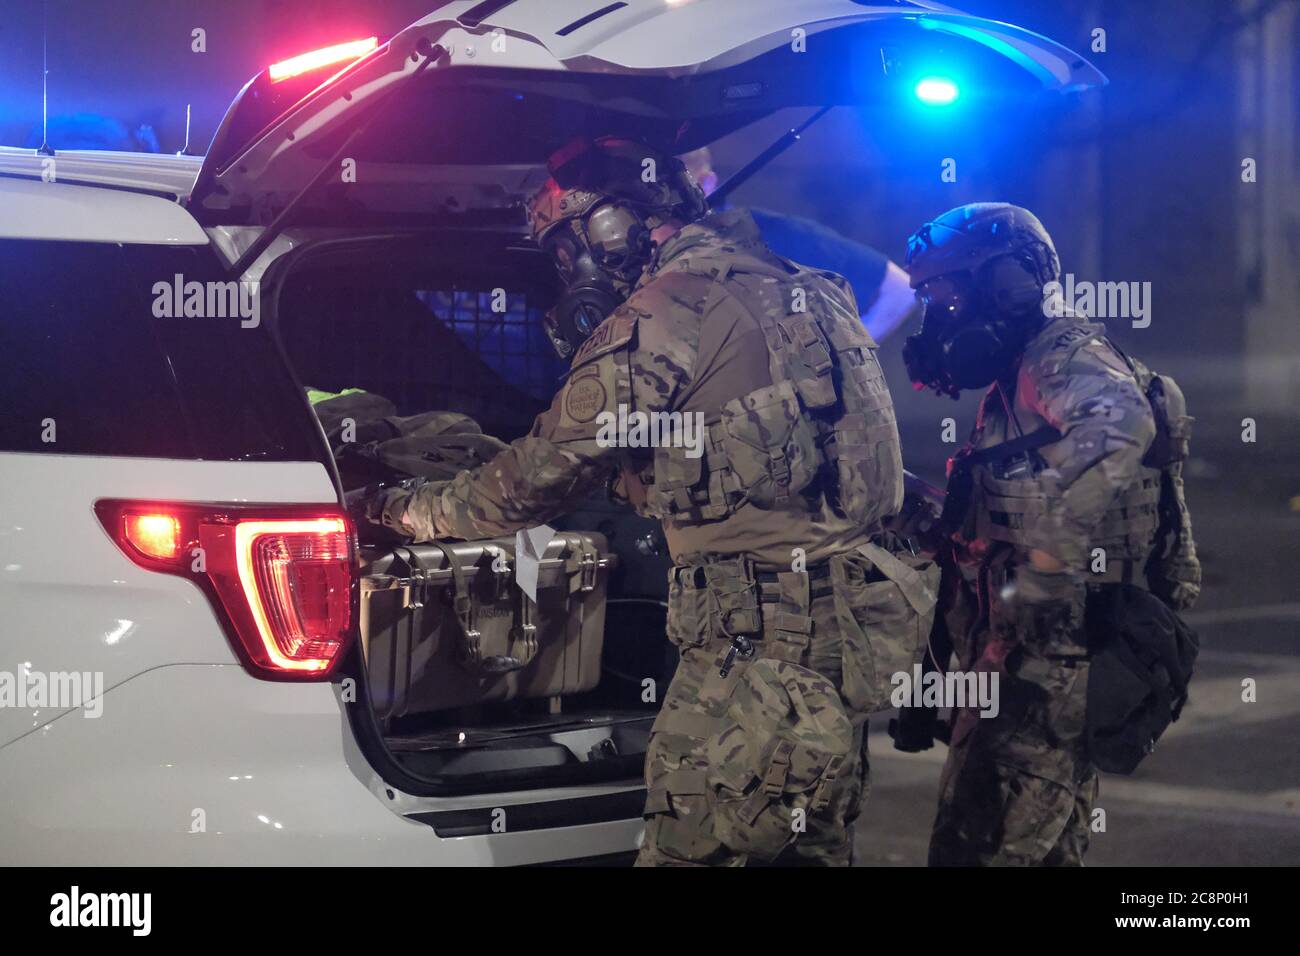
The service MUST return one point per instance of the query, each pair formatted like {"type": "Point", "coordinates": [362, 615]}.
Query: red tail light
{"type": "Point", "coordinates": [157, 536]}
{"type": "Point", "coordinates": [282, 574]}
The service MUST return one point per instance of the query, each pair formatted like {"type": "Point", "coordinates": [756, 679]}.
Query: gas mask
{"type": "Point", "coordinates": [600, 257]}
{"type": "Point", "coordinates": [974, 326]}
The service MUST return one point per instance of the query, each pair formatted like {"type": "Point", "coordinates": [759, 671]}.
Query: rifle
{"type": "Point", "coordinates": [916, 728]}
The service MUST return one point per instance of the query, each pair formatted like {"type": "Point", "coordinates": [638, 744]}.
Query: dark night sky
{"type": "Point", "coordinates": [132, 59]}
{"type": "Point", "coordinates": [1166, 205]}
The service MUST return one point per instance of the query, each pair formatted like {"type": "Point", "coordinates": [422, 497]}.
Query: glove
{"type": "Point", "coordinates": [913, 730]}
{"type": "Point", "coordinates": [381, 506]}
{"type": "Point", "coordinates": [917, 522]}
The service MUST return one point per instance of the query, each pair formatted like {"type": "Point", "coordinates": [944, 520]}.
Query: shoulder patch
{"type": "Point", "coordinates": [1105, 356]}
{"type": "Point", "coordinates": [1072, 336]}
{"type": "Point", "coordinates": [585, 398]}
{"type": "Point", "coordinates": [612, 334]}
{"type": "Point", "coordinates": [1049, 355]}
{"type": "Point", "coordinates": [1069, 337]}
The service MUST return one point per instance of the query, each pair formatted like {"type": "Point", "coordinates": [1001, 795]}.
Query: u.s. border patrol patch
{"type": "Point", "coordinates": [614, 333]}
{"type": "Point", "coordinates": [585, 398]}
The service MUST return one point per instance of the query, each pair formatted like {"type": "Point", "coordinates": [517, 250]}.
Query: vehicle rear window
{"type": "Point", "coordinates": [92, 369]}
{"type": "Point", "coordinates": [511, 341]}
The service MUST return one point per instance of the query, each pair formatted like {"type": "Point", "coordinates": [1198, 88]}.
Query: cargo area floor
{"type": "Point", "coordinates": [601, 744]}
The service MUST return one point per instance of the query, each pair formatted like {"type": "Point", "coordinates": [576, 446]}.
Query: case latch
{"type": "Point", "coordinates": [588, 565]}
{"type": "Point", "coordinates": [502, 574]}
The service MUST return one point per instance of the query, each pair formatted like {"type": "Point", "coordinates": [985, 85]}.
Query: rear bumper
{"type": "Point", "coordinates": [203, 765]}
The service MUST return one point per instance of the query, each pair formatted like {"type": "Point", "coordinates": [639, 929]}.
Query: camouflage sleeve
{"type": "Point", "coordinates": [572, 448]}
{"type": "Point", "coordinates": [1091, 396]}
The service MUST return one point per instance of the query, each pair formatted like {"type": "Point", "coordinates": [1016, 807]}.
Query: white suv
{"type": "Point", "coordinates": [180, 680]}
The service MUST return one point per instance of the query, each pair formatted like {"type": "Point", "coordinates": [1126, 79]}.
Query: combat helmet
{"type": "Point", "coordinates": [968, 237]}
{"type": "Point", "coordinates": [625, 171]}
{"type": "Point", "coordinates": [982, 272]}
{"type": "Point", "coordinates": [595, 217]}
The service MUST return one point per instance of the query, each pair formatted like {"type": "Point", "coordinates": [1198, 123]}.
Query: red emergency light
{"type": "Point", "coordinates": [326, 56]}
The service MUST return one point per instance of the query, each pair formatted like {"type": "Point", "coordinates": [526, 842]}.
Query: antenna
{"type": "Point", "coordinates": [45, 149]}
{"type": "Point", "coordinates": [185, 150]}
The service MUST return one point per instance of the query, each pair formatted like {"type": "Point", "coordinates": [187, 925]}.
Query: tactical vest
{"type": "Point", "coordinates": [997, 494]}
{"type": "Point", "coordinates": [1013, 504]}
{"type": "Point", "coordinates": [825, 425]}
{"type": "Point", "coordinates": [1173, 571]}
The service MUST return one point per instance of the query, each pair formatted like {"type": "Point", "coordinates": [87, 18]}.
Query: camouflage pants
{"type": "Point", "coordinates": [1018, 789]}
{"type": "Point", "coordinates": [797, 622]}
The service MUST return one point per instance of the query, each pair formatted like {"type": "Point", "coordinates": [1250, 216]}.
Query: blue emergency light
{"type": "Point", "coordinates": [936, 91]}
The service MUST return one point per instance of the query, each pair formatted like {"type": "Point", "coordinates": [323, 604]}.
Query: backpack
{"type": "Point", "coordinates": [363, 411]}
{"type": "Point", "coordinates": [372, 443]}
{"type": "Point", "coordinates": [435, 445]}
{"type": "Point", "coordinates": [1143, 653]}
{"type": "Point", "coordinates": [1173, 571]}
{"type": "Point", "coordinates": [1142, 656]}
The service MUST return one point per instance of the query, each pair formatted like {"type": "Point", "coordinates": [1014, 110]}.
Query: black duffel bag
{"type": "Point", "coordinates": [1142, 655]}
{"type": "Point", "coordinates": [382, 446]}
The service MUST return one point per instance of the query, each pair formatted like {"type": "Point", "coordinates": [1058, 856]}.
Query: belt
{"type": "Point", "coordinates": [818, 572]}
{"type": "Point", "coordinates": [695, 578]}
{"type": "Point", "coordinates": [766, 587]}
{"type": "Point", "coordinates": [1117, 572]}
{"type": "Point", "coordinates": [768, 583]}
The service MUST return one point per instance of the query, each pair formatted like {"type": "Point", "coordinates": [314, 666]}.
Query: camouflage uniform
{"type": "Point", "coordinates": [1018, 788]}
{"type": "Point", "coordinates": [719, 326]}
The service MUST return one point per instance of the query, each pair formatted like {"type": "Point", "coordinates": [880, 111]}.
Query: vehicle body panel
{"type": "Point", "coordinates": [74, 603]}
{"type": "Point", "coordinates": [58, 211]}
{"type": "Point", "coordinates": [162, 173]}
{"type": "Point", "coordinates": [196, 764]}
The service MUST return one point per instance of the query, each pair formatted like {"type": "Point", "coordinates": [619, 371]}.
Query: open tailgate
{"type": "Point", "coordinates": [460, 110]}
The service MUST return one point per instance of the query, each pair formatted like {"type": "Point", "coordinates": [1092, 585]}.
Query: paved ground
{"type": "Point", "coordinates": [1224, 785]}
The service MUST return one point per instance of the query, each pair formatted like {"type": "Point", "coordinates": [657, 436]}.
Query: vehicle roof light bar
{"type": "Point", "coordinates": [432, 53]}
{"type": "Point", "coordinates": [316, 59]}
